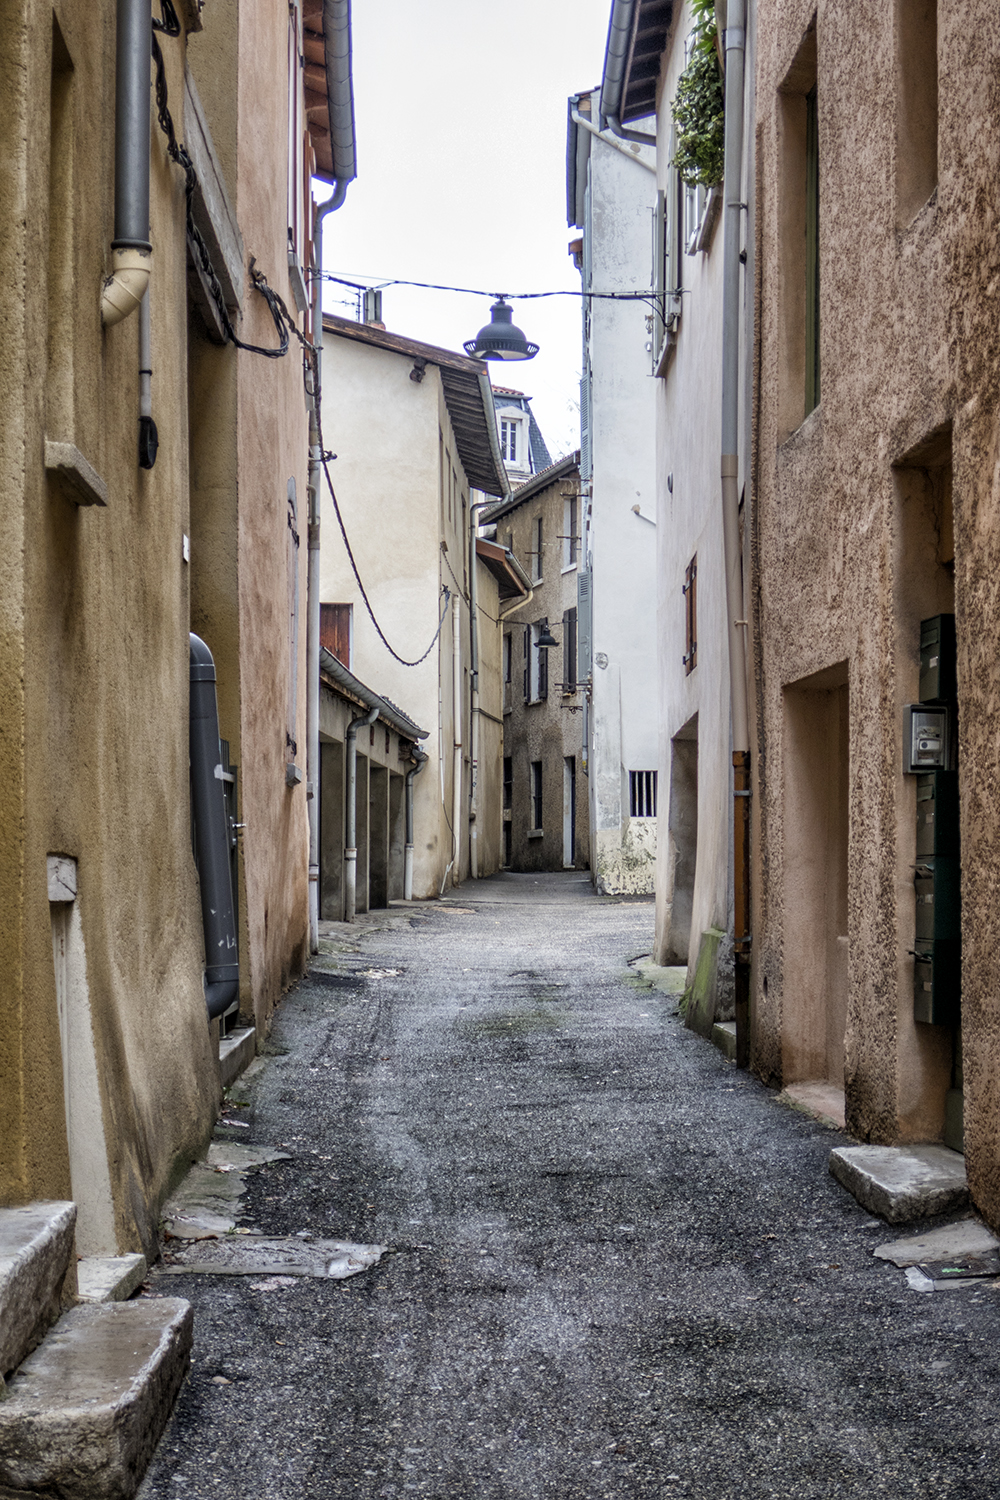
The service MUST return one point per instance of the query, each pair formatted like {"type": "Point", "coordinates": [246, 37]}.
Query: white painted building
{"type": "Point", "coordinates": [414, 431]}
{"type": "Point", "coordinates": [611, 198]}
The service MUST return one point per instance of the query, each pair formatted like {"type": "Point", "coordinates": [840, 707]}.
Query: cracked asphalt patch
{"type": "Point", "coordinates": [618, 1268]}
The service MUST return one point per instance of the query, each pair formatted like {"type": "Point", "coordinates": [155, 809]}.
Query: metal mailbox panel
{"type": "Point", "coordinates": [937, 968]}
{"type": "Point", "coordinates": [937, 813]}
{"type": "Point", "coordinates": [937, 659]}
{"type": "Point", "coordinates": [939, 904]}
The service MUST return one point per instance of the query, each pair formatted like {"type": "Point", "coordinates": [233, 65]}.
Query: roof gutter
{"type": "Point", "coordinates": [617, 57]}
{"type": "Point", "coordinates": [340, 95]}
{"type": "Point", "coordinates": [352, 685]}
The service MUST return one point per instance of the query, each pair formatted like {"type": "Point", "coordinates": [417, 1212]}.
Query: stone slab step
{"type": "Point", "coordinates": [36, 1242]}
{"type": "Point", "coordinates": [109, 1278]}
{"type": "Point", "coordinates": [902, 1182]}
{"type": "Point", "coordinates": [236, 1052]}
{"type": "Point", "coordinates": [85, 1411]}
{"type": "Point", "coordinates": [724, 1037]}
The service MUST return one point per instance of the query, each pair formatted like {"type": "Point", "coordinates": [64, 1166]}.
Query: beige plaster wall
{"type": "Point", "coordinates": [844, 559]}
{"type": "Point", "coordinates": [395, 448]}
{"type": "Point", "coordinates": [94, 655]}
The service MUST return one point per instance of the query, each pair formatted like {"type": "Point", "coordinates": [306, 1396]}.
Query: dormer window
{"type": "Point", "coordinates": [510, 445]}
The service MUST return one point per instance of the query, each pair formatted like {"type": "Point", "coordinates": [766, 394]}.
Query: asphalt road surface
{"type": "Point", "coordinates": [617, 1266]}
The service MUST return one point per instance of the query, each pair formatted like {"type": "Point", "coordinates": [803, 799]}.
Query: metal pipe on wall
{"type": "Point", "coordinates": [131, 251]}
{"type": "Point", "coordinates": [212, 836]}
{"type": "Point", "coordinates": [421, 759]}
{"type": "Point", "coordinates": [456, 692]}
{"type": "Point", "coordinates": [351, 843]}
{"type": "Point", "coordinates": [474, 677]}
{"type": "Point", "coordinates": [735, 46]}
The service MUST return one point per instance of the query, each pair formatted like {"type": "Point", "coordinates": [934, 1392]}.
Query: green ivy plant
{"type": "Point", "coordinates": [698, 106]}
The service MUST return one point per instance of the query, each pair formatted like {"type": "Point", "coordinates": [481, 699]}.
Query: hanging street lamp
{"type": "Point", "coordinates": [500, 338]}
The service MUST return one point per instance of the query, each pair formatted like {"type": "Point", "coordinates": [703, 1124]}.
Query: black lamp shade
{"type": "Point", "coordinates": [501, 338]}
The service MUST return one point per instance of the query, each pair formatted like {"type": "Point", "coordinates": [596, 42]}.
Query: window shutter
{"type": "Point", "coordinates": [527, 663]}
{"type": "Point", "coordinates": [584, 618]}
{"type": "Point", "coordinates": [335, 631]}
{"type": "Point", "coordinates": [569, 651]}
{"type": "Point", "coordinates": [543, 671]}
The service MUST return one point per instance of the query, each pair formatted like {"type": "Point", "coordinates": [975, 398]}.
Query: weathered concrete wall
{"type": "Point", "coordinates": [94, 655]}
{"type": "Point", "coordinates": [549, 730]}
{"type": "Point", "coordinates": [849, 549]}
{"type": "Point", "coordinates": [273, 448]}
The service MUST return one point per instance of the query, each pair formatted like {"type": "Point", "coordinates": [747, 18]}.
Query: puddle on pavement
{"type": "Point", "coordinates": [505, 1025]}
{"type": "Point", "coordinates": [265, 1255]}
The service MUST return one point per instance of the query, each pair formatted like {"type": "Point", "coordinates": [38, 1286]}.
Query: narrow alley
{"type": "Point", "coordinates": [615, 1265]}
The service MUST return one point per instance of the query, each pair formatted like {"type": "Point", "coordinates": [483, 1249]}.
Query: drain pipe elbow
{"type": "Point", "coordinates": [126, 286]}
{"type": "Point", "coordinates": [420, 758]}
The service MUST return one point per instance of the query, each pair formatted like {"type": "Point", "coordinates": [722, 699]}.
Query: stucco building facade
{"type": "Point", "coordinates": [418, 457]}
{"type": "Point", "coordinates": [876, 504]}
{"type": "Point", "coordinates": [115, 550]}
{"type": "Point", "coordinates": [545, 814]}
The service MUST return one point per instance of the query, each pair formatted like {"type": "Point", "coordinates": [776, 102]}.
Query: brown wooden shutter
{"type": "Point", "coordinates": [335, 631]}
{"type": "Point", "coordinates": [691, 615]}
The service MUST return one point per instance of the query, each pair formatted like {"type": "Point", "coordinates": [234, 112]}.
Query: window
{"type": "Point", "coordinates": [916, 106]}
{"type": "Point", "coordinates": [667, 274]}
{"type": "Point", "coordinates": [507, 657]}
{"type": "Point", "coordinates": [336, 631]}
{"type": "Point", "coordinates": [536, 550]}
{"type": "Point", "coordinates": [570, 539]}
{"type": "Point", "coordinates": [569, 651]}
{"type": "Point", "coordinates": [800, 250]}
{"type": "Point", "coordinates": [536, 796]}
{"type": "Point", "coordinates": [536, 664]}
{"type": "Point", "coordinates": [642, 794]}
{"type": "Point", "coordinates": [509, 445]}
{"type": "Point", "coordinates": [812, 252]}
{"type": "Point", "coordinates": [508, 782]}
{"type": "Point", "coordinates": [690, 592]}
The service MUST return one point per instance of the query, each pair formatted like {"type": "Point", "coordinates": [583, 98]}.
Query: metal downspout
{"type": "Point", "coordinates": [456, 705]}
{"type": "Point", "coordinates": [351, 846]}
{"type": "Point", "coordinates": [735, 45]}
{"type": "Point", "coordinates": [312, 568]}
{"type": "Point", "coordinates": [211, 837]}
{"type": "Point", "coordinates": [131, 251]}
{"type": "Point", "coordinates": [421, 759]}
{"type": "Point", "coordinates": [474, 679]}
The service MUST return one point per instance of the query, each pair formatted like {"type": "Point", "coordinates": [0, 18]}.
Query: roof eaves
{"type": "Point", "coordinates": [354, 688]}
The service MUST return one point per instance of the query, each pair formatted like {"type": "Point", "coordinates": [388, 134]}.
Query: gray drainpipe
{"type": "Point", "coordinates": [420, 760]}
{"type": "Point", "coordinates": [337, 38]}
{"type": "Point", "coordinates": [131, 252]}
{"type": "Point", "coordinates": [735, 45]}
{"type": "Point", "coordinates": [351, 848]}
{"type": "Point", "coordinates": [211, 837]}
{"type": "Point", "coordinates": [624, 18]}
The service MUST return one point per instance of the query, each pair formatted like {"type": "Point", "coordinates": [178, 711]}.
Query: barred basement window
{"type": "Point", "coordinates": [642, 794]}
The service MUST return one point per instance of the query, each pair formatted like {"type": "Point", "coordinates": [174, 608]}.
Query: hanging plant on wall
{"type": "Point", "coordinates": [698, 106]}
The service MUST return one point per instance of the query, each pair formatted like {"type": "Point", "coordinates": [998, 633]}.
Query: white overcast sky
{"type": "Point", "coordinates": [460, 111]}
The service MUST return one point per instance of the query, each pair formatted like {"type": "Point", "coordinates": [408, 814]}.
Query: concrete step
{"type": "Point", "coordinates": [109, 1278]}
{"type": "Point", "coordinates": [85, 1411]}
{"type": "Point", "coordinates": [36, 1243]}
{"type": "Point", "coordinates": [902, 1182]}
{"type": "Point", "coordinates": [724, 1037]}
{"type": "Point", "coordinates": [236, 1052]}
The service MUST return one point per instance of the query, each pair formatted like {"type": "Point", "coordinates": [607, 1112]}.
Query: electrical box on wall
{"type": "Point", "coordinates": [927, 738]}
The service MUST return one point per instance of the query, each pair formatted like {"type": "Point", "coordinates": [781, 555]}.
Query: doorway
{"type": "Point", "coordinates": [569, 812]}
